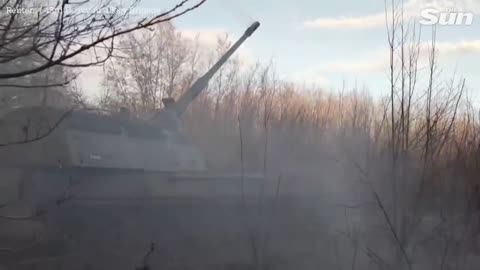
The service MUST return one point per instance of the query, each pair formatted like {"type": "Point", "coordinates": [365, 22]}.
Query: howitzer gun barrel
{"type": "Point", "coordinates": [197, 87]}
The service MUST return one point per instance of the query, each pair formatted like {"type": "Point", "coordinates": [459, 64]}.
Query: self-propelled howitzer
{"type": "Point", "coordinates": [112, 149]}
{"type": "Point", "coordinates": [85, 167]}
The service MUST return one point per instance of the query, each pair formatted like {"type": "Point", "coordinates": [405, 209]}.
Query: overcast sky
{"type": "Point", "coordinates": [326, 42]}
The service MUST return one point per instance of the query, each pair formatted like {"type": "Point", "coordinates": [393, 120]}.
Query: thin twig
{"type": "Point", "coordinates": [44, 135]}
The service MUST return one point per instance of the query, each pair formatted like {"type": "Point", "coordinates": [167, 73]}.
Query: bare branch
{"type": "Point", "coordinates": [39, 137]}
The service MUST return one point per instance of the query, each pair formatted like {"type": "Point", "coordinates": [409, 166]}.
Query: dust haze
{"type": "Point", "coordinates": [194, 157]}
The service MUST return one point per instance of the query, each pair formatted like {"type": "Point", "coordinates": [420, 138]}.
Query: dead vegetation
{"type": "Point", "coordinates": [414, 152]}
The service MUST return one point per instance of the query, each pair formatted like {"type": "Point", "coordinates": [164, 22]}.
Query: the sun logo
{"type": "Point", "coordinates": [432, 16]}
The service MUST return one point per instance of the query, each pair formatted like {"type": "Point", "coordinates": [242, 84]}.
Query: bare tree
{"type": "Point", "coordinates": [149, 66]}
{"type": "Point", "coordinates": [58, 32]}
